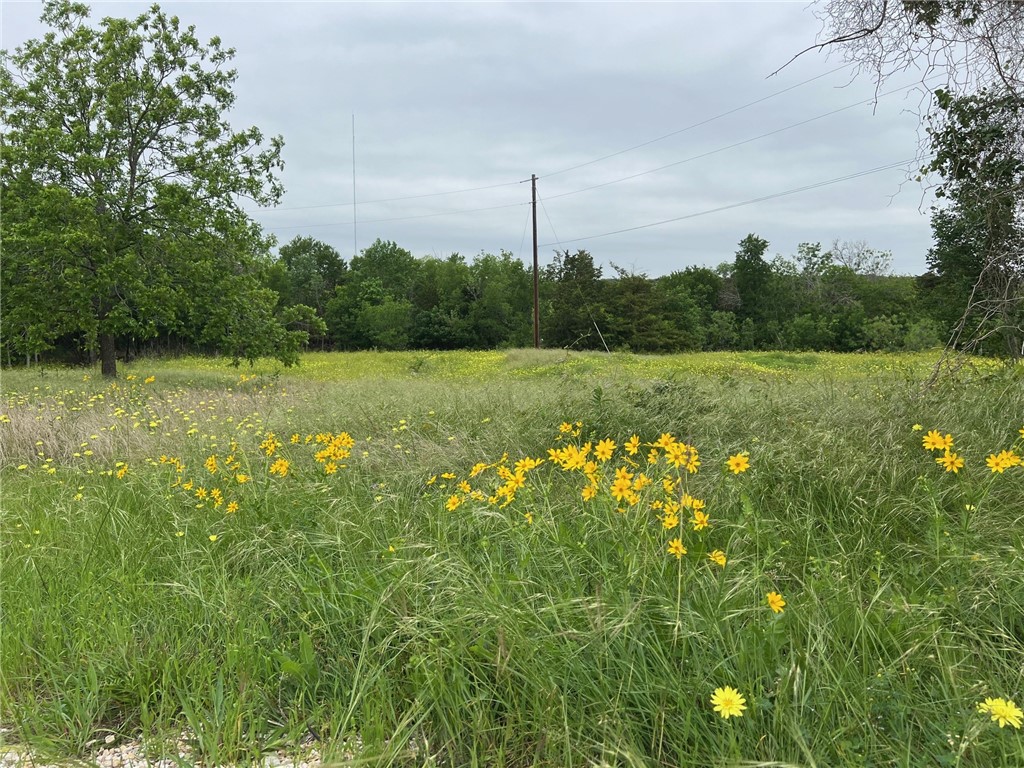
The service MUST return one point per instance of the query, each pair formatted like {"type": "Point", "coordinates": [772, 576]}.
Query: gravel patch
{"type": "Point", "coordinates": [132, 754]}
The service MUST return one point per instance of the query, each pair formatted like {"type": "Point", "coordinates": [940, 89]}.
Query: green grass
{"type": "Point", "coordinates": [550, 631]}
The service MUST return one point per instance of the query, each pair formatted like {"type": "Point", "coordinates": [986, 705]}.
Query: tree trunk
{"type": "Point", "coordinates": [108, 356]}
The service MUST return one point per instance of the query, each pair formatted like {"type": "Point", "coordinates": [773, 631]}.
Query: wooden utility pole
{"type": "Point", "coordinates": [536, 272]}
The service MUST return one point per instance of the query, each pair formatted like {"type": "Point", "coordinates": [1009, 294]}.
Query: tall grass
{"type": "Point", "coordinates": [356, 608]}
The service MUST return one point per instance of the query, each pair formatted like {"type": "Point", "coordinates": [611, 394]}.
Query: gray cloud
{"type": "Point", "coordinates": [453, 96]}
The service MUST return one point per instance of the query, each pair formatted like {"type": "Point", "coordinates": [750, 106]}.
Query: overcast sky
{"type": "Point", "coordinates": [460, 96]}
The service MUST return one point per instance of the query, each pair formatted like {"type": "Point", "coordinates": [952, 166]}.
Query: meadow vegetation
{"type": "Point", "coordinates": [518, 558]}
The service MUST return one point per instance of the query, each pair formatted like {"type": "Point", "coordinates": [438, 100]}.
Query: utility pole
{"type": "Point", "coordinates": [536, 271]}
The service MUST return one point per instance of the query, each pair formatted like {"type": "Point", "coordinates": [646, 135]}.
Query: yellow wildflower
{"type": "Point", "coordinates": [951, 462]}
{"type": "Point", "coordinates": [775, 602]}
{"type": "Point", "coordinates": [527, 463]}
{"type": "Point", "coordinates": [718, 556]}
{"type": "Point", "coordinates": [728, 702]}
{"type": "Point", "coordinates": [604, 450]}
{"type": "Point", "coordinates": [934, 441]}
{"type": "Point", "coordinates": [1010, 458]}
{"type": "Point", "coordinates": [621, 487]}
{"type": "Point", "coordinates": [738, 463]}
{"type": "Point", "coordinates": [675, 547]}
{"type": "Point", "coordinates": [269, 444]}
{"type": "Point", "coordinates": [1002, 711]}
{"type": "Point", "coordinates": [664, 441]}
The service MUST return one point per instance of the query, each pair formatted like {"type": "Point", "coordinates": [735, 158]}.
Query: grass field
{"type": "Point", "coordinates": [468, 559]}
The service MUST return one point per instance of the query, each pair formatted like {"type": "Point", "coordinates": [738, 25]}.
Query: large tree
{"type": "Point", "coordinates": [312, 271]}
{"type": "Point", "coordinates": [978, 256]}
{"type": "Point", "coordinates": [122, 185]}
{"type": "Point", "coordinates": [752, 274]}
{"type": "Point", "coordinates": [974, 136]}
{"type": "Point", "coordinates": [972, 43]}
{"type": "Point", "coordinates": [576, 310]}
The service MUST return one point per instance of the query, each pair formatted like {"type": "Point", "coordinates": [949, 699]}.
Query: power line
{"type": "Point", "coordinates": [695, 125]}
{"type": "Point", "coordinates": [526, 225]}
{"type": "Point", "coordinates": [545, 209]}
{"type": "Point", "coordinates": [605, 183]}
{"type": "Point", "coordinates": [399, 218]}
{"type": "Point", "coordinates": [391, 199]}
{"type": "Point", "coordinates": [729, 146]}
{"type": "Point", "coordinates": [572, 168]}
{"type": "Point", "coordinates": [816, 185]}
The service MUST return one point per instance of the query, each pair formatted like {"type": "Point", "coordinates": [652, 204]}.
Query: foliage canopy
{"type": "Point", "coordinates": [122, 182]}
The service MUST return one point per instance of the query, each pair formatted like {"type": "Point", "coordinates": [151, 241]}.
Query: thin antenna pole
{"type": "Point", "coordinates": [355, 247]}
{"type": "Point", "coordinates": [536, 275]}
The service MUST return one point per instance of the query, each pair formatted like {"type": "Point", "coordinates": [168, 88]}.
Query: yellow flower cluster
{"type": "Point", "coordinates": [953, 462]}
{"type": "Point", "coordinates": [270, 444]}
{"type": "Point", "coordinates": [500, 491]}
{"type": "Point", "coordinates": [1003, 461]}
{"type": "Point", "coordinates": [336, 448]}
{"type": "Point", "coordinates": [609, 472]}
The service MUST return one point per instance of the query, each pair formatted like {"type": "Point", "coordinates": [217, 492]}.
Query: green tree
{"type": "Point", "coordinates": [121, 184]}
{"type": "Point", "coordinates": [393, 266]}
{"type": "Point", "coordinates": [650, 315]}
{"type": "Point", "coordinates": [440, 296]}
{"type": "Point", "coordinates": [499, 302]}
{"type": "Point", "coordinates": [751, 276]}
{"type": "Point", "coordinates": [377, 290]}
{"type": "Point", "coordinates": [701, 287]}
{"type": "Point", "coordinates": [313, 270]}
{"type": "Point", "coordinates": [575, 311]}
{"type": "Point", "coordinates": [978, 255]}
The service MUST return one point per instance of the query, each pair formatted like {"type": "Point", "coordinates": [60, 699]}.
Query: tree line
{"type": "Point", "coordinates": [841, 298]}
